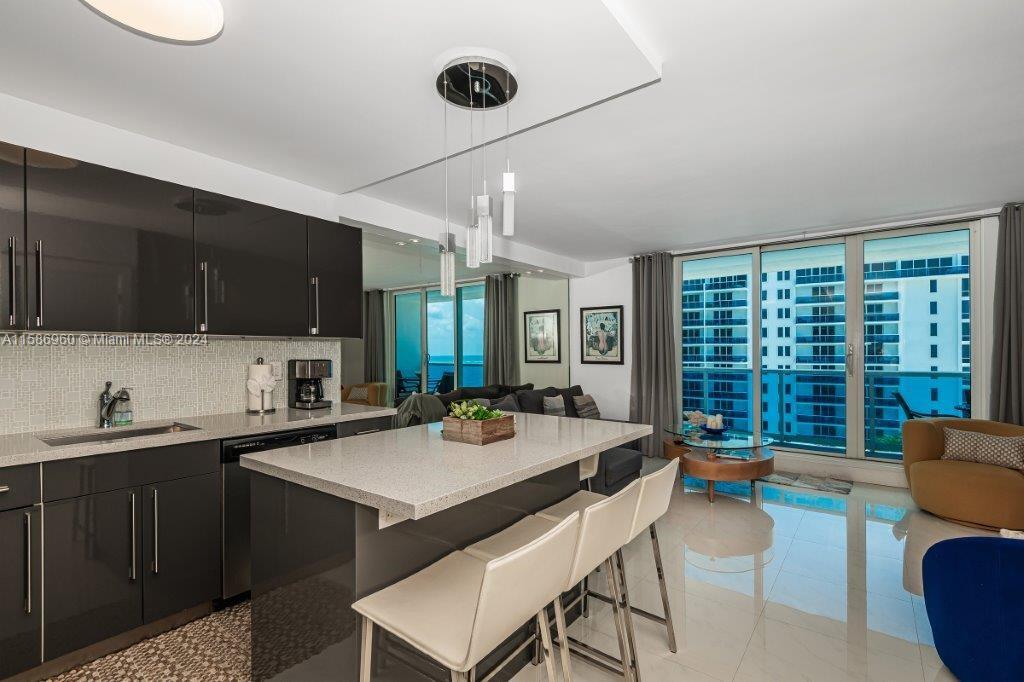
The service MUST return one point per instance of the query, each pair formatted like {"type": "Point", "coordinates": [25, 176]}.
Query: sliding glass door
{"type": "Point", "coordinates": [854, 336]}
{"type": "Point", "coordinates": [438, 341]}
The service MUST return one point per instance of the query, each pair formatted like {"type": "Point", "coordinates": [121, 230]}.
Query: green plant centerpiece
{"type": "Point", "coordinates": [471, 409]}
{"type": "Point", "coordinates": [470, 422]}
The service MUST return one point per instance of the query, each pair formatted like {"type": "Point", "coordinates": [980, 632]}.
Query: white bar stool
{"type": "Point", "coordinates": [460, 608]}
{"type": "Point", "coordinates": [655, 495]}
{"type": "Point", "coordinates": [605, 524]}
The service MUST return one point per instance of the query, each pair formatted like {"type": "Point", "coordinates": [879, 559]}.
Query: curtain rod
{"type": "Point", "coordinates": [823, 234]}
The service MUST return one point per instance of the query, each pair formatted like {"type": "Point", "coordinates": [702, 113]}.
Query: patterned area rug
{"type": "Point", "coordinates": [215, 647]}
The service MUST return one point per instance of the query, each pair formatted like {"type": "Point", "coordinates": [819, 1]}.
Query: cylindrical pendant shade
{"type": "Point", "coordinates": [473, 247]}
{"type": "Point", "coordinates": [508, 204]}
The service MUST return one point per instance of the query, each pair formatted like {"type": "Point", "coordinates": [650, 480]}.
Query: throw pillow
{"type": "Point", "coordinates": [568, 394]}
{"type": "Point", "coordinates": [489, 392]}
{"type": "Point", "coordinates": [971, 446]}
{"type": "Point", "coordinates": [505, 389]}
{"type": "Point", "coordinates": [482, 402]}
{"type": "Point", "coordinates": [554, 406]}
{"type": "Point", "coordinates": [533, 401]}
{"type": "Point", "coordinates": [586, 408]}
{"type": "Point", "coordinates": [359, 393]}
{"type": "Point", "coordinates": [506, 404]}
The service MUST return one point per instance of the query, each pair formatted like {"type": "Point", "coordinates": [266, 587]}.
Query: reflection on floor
{"type": "Point", "coordinates": [792, 585]}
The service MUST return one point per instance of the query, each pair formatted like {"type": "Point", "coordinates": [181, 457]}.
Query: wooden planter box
{"type": "Point", "coordinates": [479, 432]}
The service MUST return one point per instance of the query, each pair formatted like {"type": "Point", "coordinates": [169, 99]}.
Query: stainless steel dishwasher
{"type": "Point", "coordinates": [235, 529]}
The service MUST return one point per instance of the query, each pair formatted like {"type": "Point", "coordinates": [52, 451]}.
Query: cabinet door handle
{"type": "Point", "coordinates": [12, 243]}
{"type": "Point", "coordinates": [39, 283]}
{"type": "Point", "coordinates": [156, 531]}
{"type": "Point", "coordinates": [28, 562]}
{"type": "Point", "coordinates": [360, 433]}
{"type": "Point", "coordinates": [5, 488]}
{"type": "Point", "coordinates": [315, 281]}
{"type": "Point", "coordinates": [131, 567]}
{"type": "Point", "coordinates": [205, 269]}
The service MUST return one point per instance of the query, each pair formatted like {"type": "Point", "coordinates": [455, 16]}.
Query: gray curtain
{"type": "Point", "coordinates": [374, 351]}
{"type": "Point", "coordinates": [652, 388]}
{"type": "Point", "coordinates": [501, 342]}
{"type": "Point", "coordinates": [1008, 320]}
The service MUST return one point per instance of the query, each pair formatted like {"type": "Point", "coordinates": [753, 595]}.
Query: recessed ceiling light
{"type": "Point", "coordinates": [399, 243]}
{"type": "Point", "coordinates": [184, 21]}
{"type": "Point", "coordinates": [529, 272]}
{"type": "Point", "coordinates": [415, 241]}
{"type": "Point", "coordinates": [539, 270]}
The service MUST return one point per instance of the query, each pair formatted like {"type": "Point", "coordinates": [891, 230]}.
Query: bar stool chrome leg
{"type": "Point", "coordinates": [664, 590]}
{"type": "Point", "coordinates": [620, 625]}
{"type": "Point", "coordinates": [563, 646]}
{"type": "Point", "coordinates": [627, 613]}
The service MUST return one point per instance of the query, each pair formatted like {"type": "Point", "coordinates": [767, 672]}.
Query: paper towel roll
{"type": "Point", "coordinates": [260, 388]}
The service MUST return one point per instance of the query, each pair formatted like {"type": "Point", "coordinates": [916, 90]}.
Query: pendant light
{"type": "Point", "coordinates": [446, 243]}
{"type": "Point", "coordinates": [508, 180]}
{"type": "Point", "coordinates": [481, 83]}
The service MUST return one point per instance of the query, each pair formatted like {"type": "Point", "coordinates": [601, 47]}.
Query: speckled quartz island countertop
{"type": "Point", "coordinates": [28, 448]}
{"type": "Point", "coordinates": [413, 472]}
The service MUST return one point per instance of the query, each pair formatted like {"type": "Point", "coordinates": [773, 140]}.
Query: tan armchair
{"type": "Point", "coordinates": [376, 394]}
{"type": "Point", "coordinates": [965, 492]}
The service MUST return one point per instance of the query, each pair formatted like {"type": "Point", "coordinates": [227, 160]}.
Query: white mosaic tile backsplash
{"type": "Point", "coordinates": [58, 387]}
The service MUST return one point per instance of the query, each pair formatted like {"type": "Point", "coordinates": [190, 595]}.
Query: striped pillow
{"type": "Point", "coordinates": [554, 406]}
{"type": "Point", "coordinates": [586, 408]}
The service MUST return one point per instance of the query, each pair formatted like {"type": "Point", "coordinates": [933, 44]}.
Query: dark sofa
{"type": "Point", "coordinates": [616, 468]}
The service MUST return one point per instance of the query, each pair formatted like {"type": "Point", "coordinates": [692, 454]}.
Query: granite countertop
{"type": "Point", "coordinates": [413, 472]}
{"type": "Point", "coordinates": [27, 448]}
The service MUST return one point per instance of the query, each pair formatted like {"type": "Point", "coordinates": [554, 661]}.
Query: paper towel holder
{"type": "Point", "coordinates": [260, 397]}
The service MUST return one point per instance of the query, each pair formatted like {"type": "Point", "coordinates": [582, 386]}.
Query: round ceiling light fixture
{"type": "Point", "coordinates": [179, 21]}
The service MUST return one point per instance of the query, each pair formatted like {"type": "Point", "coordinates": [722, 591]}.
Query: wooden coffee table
{"type": "Point", "coordinates": [704, 460]}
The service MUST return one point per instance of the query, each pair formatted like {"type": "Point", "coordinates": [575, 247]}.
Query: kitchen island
{"type": "Point", "coordinates": [337, 520]}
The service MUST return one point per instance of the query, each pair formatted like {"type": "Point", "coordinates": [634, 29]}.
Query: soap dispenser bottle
{"type": "Point", "coordinates": [123, 414]}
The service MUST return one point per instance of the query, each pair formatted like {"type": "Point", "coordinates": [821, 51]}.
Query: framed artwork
{"type": "Point", "coordinates": [601, 335]}
{"type": "Point", "coordinates": [543, 341]}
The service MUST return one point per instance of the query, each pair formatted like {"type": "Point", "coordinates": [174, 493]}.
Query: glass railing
{"type": "Point", "coordinates": [883, 417]}
{"type": "Point", "coordinates": [881, 296]}
{"type": "Point", "coordinates": [820, 319]}
{"type": "Point", "coordinates": [881, 317]}
{"type": "Point", "coordinates": [819, 279]}
{"type": "Point", "coordinates": [820, 338]}
{"type": "Point", "coordinates": [901, 273]}
{"type": "Point", "coordinates": [821, 298]}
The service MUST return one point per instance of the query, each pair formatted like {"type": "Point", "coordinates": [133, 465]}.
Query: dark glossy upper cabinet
{"type": "Point", "coordinates": [107, 250]}
{"type": "Point", "coordinates": [336, 279]}
{"type": "Point", "coordinates": [251, 268]}
{"type": "Point", "coordinates": [12, 236]}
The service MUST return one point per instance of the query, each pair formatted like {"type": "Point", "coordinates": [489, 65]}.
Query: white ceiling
{"type": "Point", "coordinates": [331, 93]}
{"type": "Point", "coordinates": [770, 118]}
{"type": "Point", "coordinates": [777, 117]}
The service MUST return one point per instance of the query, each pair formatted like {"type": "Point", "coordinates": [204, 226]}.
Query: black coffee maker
{"type": "Point", "coordinates": [306, 383]}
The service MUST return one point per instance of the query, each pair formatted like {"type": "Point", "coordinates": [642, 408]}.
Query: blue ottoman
{"type": "Point", "coordinates": [974, 592]}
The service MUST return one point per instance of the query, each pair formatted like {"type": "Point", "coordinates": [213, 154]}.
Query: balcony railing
{"type": "Point", "coordinates": [900, 273]}
{"type": "Point", "coordinates": [881, 317]}
{"type": "Point", "coordinates": [821, 278]}
{"type": "Point", "coordinates": [820, 319]}
{"type": "Point", "coordinates": [821, 359]}
{"type": "Point", "coordinates": [820, 338]}
{"type": "Point", "coordinates": [882, 296]}
{"type": "Point", "coordinates": [881, 359]}
{"type": "Point", "coordinates": [822, 298]}
{"type": "Point", "coordinates": [882, 338]}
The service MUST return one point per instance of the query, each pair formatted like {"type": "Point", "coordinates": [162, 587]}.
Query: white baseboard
{"type": "Point", "coordinates": [856, 470]}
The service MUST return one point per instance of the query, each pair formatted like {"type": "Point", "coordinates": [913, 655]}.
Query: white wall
{"type": "Point", "coordinates": [609, 384]}
{"type": "Point", "coordinates": [544, 294]}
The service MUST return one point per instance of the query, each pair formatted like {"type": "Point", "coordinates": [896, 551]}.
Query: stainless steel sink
{"type": "Point", "coordinates": [113, 435]}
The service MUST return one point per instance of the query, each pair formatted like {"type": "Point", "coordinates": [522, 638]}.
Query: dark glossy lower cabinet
{"type": "Point", "coordinates": [118, 559]}
{"type": "Point", "coordinates": [20, 590]}
{"type": "Point", "coordinates": [181, 542]}
{"type": "Point", "coordinates": [93, 567]}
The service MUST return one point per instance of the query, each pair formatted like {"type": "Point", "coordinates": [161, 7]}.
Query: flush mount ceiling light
{"type": "Point", "coordinates": [477, 83]}
{"type": "Point", "coordinates": [181, 21]}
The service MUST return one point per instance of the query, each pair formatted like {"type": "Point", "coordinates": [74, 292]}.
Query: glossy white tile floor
{"type": "Point", "coordinates": [794, 585]}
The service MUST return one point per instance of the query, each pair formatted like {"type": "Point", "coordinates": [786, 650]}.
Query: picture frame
{"type": "Point", "coordinates": [542, 336]}
{"type": "Point", "coordinates": [602, 335]}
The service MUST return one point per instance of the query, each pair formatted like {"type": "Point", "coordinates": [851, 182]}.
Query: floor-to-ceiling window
{"type": "Point", "coordinates": [803, 336]}
{"type": "Point", "coordinates": [716, 343]}
{"type": "Point", "coordinates": [917, 333]}
{"type": "Point", "coordinates": [438, 340]}
{"type": "Point", "coordinates": [887, 311]}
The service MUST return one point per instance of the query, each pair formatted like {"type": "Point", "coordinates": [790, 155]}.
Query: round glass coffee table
{"type": "Point", "coordinates": [731, 456]}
